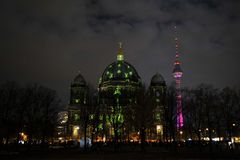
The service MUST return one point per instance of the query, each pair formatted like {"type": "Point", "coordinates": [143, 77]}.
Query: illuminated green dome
{"type": "Point", "coordinates": [120, 71]}
{"type": "Point", "coordinates": [119, 80]}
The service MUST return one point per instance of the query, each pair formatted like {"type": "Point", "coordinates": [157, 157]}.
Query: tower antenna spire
{"type": "Point", "coordinates": [176, 42]}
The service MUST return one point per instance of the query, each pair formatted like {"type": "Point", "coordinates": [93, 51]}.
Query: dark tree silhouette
{"type": "Point", "coordinates": [32, 109]}
{"type": "Point", "coordinates": [230, 109]}
{"type": "Point", "coordinates": [9, 102]}
{"type": "Point", "coordinates": [170, 112]}
{"type": "Point", "coordinates": [143, 114]}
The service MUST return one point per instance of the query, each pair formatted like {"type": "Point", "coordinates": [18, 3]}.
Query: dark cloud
{"type": "Point", "coordinates": [48, 41]}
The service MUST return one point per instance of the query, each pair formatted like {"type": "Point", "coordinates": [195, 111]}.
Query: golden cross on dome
{"type": "Point", "coordinates": [120, 44]}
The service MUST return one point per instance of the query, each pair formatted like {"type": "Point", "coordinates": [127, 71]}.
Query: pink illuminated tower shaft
{"type": "Point", "coordinates": [177, 74]}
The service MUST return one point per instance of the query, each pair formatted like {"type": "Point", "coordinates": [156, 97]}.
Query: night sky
{"type": "Point", "coordinates": [49, 41]}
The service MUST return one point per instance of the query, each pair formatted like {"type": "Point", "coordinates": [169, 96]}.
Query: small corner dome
{"type": "Point", "coordinates": [157, 79]}
{"type": "Point", "coordinates": [79, 80]}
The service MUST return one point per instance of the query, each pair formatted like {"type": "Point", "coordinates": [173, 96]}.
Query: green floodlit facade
{"type": "Point", "coordinates": [118, 88]}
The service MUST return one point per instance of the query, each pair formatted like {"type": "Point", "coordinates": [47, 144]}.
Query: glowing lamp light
{"type": "Point", "coordinates": [159, 129]}
{"type": "Point", "coordinates": [75, 131]}
{"type": "Point", "coordinates": [23, 136]}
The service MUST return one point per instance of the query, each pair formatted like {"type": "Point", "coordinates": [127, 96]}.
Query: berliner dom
{"type": "Point", "coordinates": [113, 105]}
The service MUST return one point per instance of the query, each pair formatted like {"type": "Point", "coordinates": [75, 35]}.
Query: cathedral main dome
{"type": "Point", "coordinates": [119, 80]}
{"type": "Point", "coordinates": [120, 71]}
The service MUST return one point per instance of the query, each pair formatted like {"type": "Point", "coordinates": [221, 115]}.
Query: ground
{"type": "Point", "coordinates": [76, 154]}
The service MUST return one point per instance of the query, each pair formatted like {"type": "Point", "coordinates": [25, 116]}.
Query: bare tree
{"type": "Point", "coordinates": [207, 97]}
{"type": "Point", "coordinates": [170, 112]}
{"type": "Point", "coordinates": [200, 104]}
{"type": "Point", "coordinates": [40, 113]}
{"type": "Point", "coordinates": [9, 103]}
{"type": "Point", "coordinates": [29, 109]}
{"type": "Point", "coordinates": [48, 109]}
{"type": "Point", "coordinates": [143, 113]}
{"type": "Point", "coordinates": [230, 109]}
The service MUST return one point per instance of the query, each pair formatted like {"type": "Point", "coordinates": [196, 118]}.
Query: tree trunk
{"type": "Point", "coordinates": [29, 141]}
{"type": "Point", "coordinates": [85, 136]}
{"type": "Point", "coordinates": [210, 138]}
{"type": "Point", "coordinates": [115, 139]}
{"type": "Point", "coordinates": [199, 141]}
{"type": "Point", "coordinates": [143, 138]}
